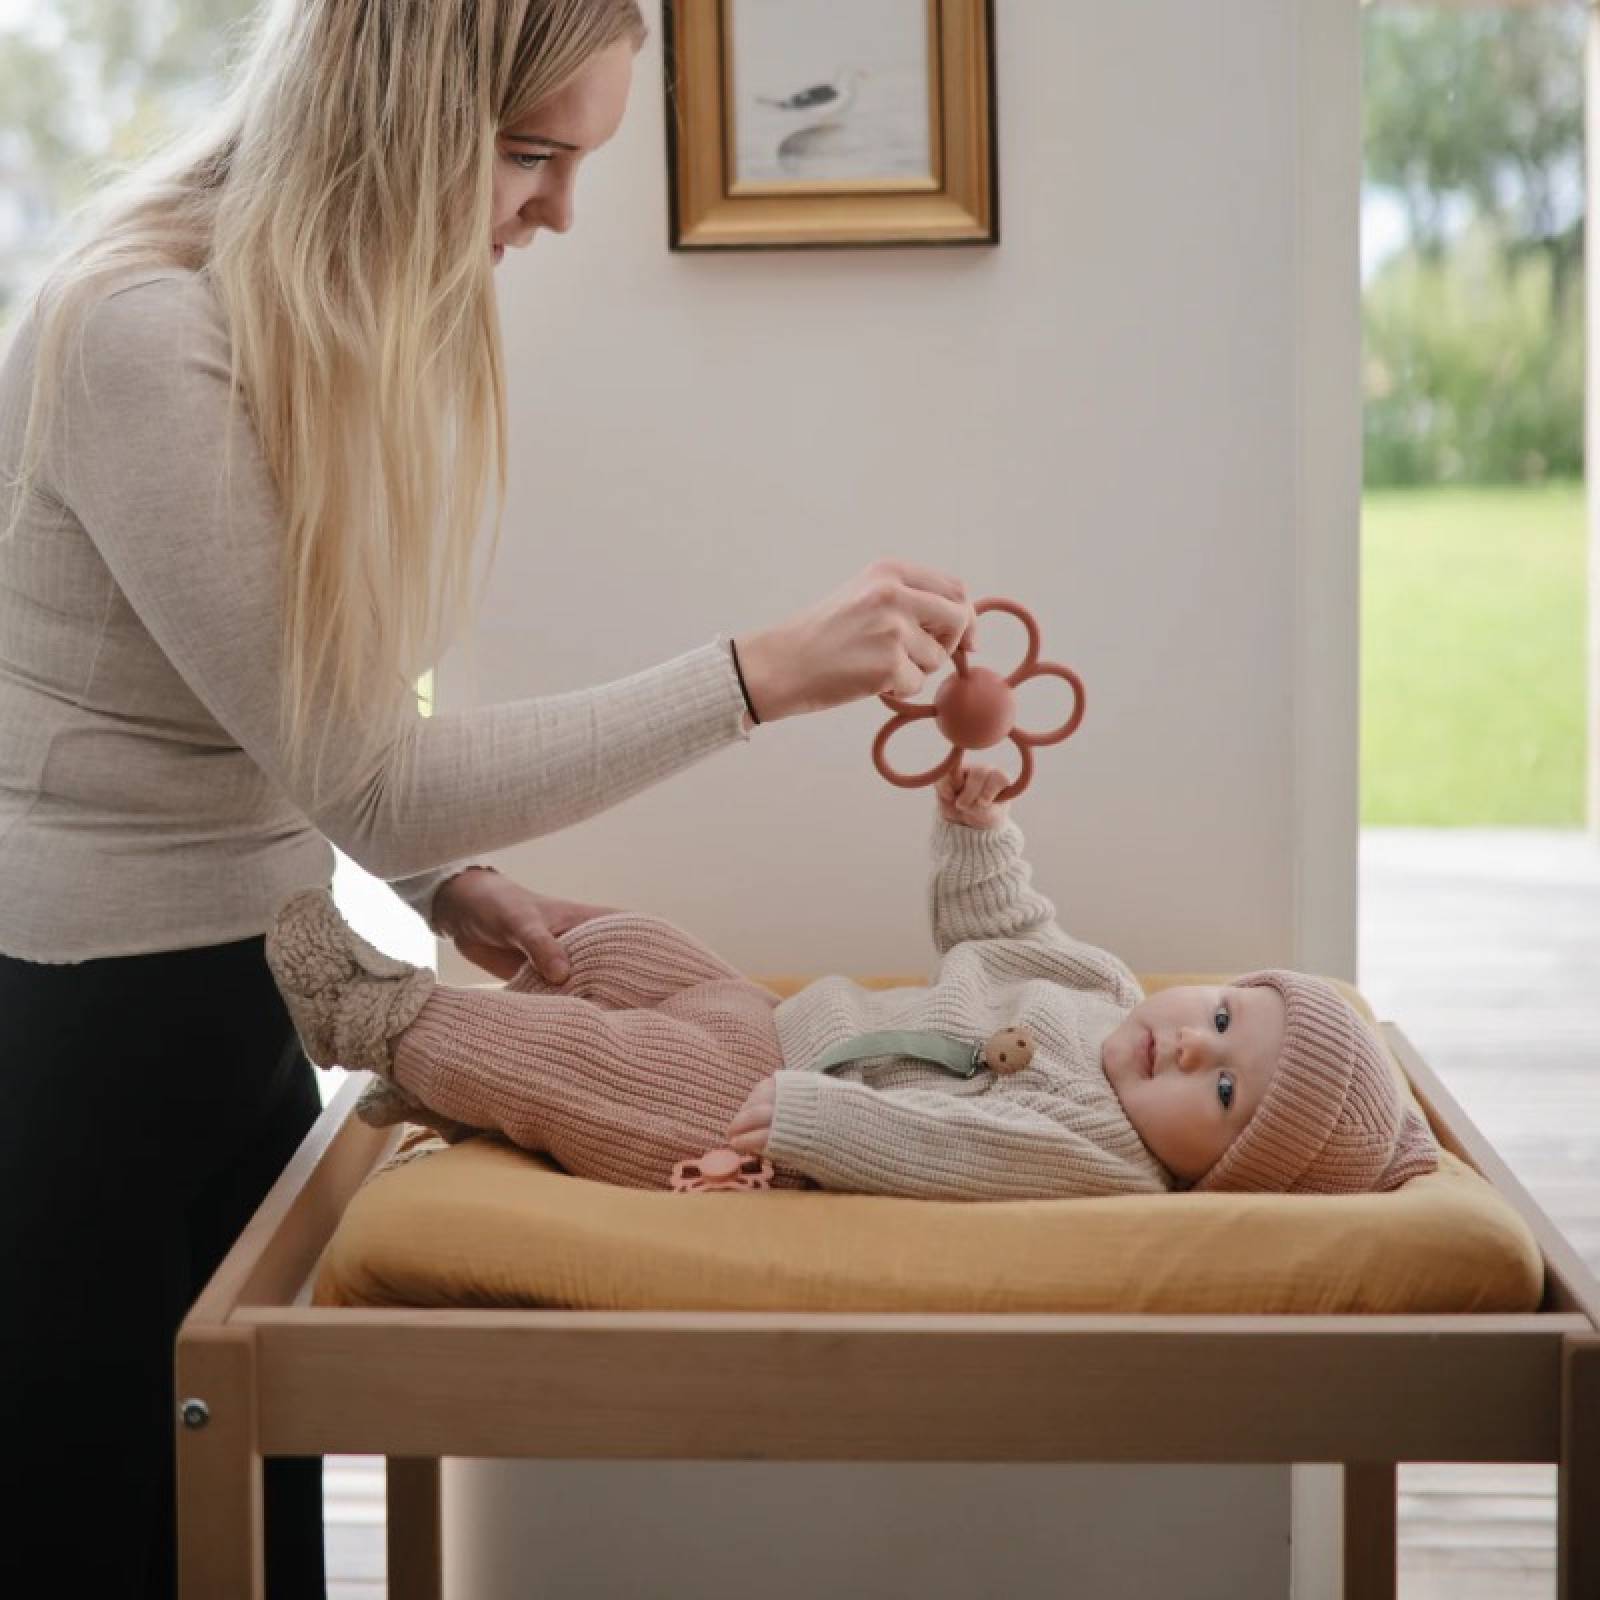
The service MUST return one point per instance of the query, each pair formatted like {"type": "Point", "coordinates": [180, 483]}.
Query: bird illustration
{"type": "Point", "coordinates": [822, 102]}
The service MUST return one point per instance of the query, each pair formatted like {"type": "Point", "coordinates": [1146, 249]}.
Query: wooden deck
{"type": "Point", "coordinates": [1485, 946]}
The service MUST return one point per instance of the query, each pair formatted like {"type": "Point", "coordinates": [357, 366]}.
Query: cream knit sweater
{"type": "Point", "coordinates": [898, 1126]}
{"type": "Point", "coordinates": [145, 803]}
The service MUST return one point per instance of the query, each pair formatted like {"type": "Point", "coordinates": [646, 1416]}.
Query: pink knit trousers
{"type": "Point", "coordinates": [638, 1061]}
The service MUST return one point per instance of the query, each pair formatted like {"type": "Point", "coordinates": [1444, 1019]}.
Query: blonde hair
{"type": "Point", "coordinates": [365, 337]}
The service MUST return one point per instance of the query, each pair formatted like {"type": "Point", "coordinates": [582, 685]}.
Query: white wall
{"type": "Point", "coordinates": [1100, 417]}
{"type": "Point", "coordinates": [1138, 414]}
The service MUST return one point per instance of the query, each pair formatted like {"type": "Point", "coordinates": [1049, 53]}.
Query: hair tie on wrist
{"type": "Point", "coordinates": [744, 689]}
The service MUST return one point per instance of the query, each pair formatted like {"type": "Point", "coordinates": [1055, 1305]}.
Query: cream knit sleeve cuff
{"type": "Point", "coordinates": [796, 1119]}
{"type": "Point", "coordinates": [982, 886]}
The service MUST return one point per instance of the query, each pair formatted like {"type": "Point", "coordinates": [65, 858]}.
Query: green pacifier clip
{"type": "Point", "coordinates": [1009, 1050]}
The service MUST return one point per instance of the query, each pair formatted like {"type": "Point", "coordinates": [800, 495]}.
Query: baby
{"type": "Point", "coordinates": [655, 1051]}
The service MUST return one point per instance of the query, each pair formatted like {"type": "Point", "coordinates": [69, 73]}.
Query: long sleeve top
{"type": "Point", "coordinates": [895, 1125]}
{"type": "Point", "coordinates": [145, 801]}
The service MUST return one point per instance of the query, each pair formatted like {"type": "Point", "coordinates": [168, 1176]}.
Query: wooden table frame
{"type": "Point", "coordinates": [276, 1376]}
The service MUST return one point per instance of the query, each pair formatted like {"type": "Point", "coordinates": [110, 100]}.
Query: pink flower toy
{"type": "Point", "coordinates": [976, 708]}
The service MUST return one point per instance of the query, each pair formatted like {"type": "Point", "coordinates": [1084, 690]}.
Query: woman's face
{"type": "Point", "coordinates": [536, 162]}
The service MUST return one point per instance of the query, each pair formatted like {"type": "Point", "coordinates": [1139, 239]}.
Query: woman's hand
{"type": "Point", "coordinates": [966, 794]}
{"type": "Point", "coordinates": [498, 925]}
{"type": "Point", "coordinates": [752, 1123]}
{"type": "Point", "coordinates": [886, 630]}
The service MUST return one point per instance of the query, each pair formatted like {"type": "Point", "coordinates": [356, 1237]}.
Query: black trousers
{"type": "Point", "coordinates": [147, 1103]}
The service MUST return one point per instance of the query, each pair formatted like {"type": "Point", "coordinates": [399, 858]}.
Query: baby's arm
{"type": "Point", "coordinates": [925, 1144]}
{"type": "Point", "coordinates": [981, 886]}
{"type": "Point", "coordinates": [982, 892]}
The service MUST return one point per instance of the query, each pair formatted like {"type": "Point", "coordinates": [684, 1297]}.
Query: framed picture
{"type": "Point", "coordinates": [830, 122]}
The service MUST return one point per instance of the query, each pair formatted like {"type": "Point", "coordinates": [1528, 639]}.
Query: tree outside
{"type": "Point", "coordinates": [1474, 131]}
{"type": "Point", "coordinates": [1475, 534]}
{"type": "Point", "coordinates": [90, 86]}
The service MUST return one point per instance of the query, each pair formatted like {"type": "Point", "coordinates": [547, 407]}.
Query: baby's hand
{"type": "Point", "coordinates": [966, 794]}
{"type": "Point", "coordinates": [752, 1123]}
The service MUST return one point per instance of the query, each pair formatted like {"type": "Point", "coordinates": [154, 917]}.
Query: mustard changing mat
{"type": "Point", "coordinates": [486, 1224]}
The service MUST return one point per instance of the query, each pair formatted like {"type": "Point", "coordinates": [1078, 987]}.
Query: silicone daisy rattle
{"type": "Point", "coordinates": [976, 708]}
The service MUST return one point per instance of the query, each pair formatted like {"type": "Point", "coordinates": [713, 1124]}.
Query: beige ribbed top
{"type": "Point", "coordinates": [145, 803]}
{"type": "Point", "coordinates": [895, 1125]}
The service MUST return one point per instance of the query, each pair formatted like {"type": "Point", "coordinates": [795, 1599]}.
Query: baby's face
{"type": "Point", "coordinates": [1190, 1065]}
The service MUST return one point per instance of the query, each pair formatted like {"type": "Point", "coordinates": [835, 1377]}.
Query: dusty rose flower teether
{"type": "Point", "coordinates": [976, 708]}
{"type": "Point", "coordinates": [721, 1169]}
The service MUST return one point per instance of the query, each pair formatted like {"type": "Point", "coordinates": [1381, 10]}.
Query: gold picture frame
{"type": "Point", "coordinates": [833, 161]}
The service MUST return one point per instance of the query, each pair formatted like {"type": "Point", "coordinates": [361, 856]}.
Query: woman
{"type": "Point", "coordinates": [246, 432]}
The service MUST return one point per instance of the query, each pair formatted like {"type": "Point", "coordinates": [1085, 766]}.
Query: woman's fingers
{"type": "Point", "coordinates": [928, 638]}
{"type": "Point", "coordinates": [889, 628]}
{"type": "Point", "coordinates": [925, 651]}
{"type": "Point", "coordinates": [908, 677]}
{"type": "Point", "coordinates": [930, 579]}
{"type": "Point", "coordinates": [496, 960]}
{"type": "Point", "coordinates": [543, 950]}
{"type": "Point", "coordinates": [562, 916]}
{"type": "Point", "coordinates": [946, 620]}
{"type": "Point", "coordinates": [496, 923]}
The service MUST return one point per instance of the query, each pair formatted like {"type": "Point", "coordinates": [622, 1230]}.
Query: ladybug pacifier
{"type": "Point", "coordinates": [976, 708]}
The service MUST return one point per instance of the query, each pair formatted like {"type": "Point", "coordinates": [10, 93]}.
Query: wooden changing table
{"type": "Point", "coordinates": [261, 1372]}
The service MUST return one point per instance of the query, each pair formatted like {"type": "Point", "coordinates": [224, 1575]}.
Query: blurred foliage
{"type": "Point", "coordinates": [1470, 376]}
{"type": "Point", "coordinates": [1481, 106]}
{"type": "Point", "coordinates": [89, 85]}
{"type": "Point", "coordinates": [1474, 123]}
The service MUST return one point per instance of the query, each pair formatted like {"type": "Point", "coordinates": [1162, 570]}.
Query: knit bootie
{"type": "Point", "coordinates": [347, 1000]}
{"type": "Point", "coordinates": [384, 1104]}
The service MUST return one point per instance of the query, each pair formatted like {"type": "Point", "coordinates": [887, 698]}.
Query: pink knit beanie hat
{"type": "Point", "coordinates": [1333, 1119]}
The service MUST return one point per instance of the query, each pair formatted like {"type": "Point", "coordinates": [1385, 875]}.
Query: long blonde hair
{"type": "Point", "coordinates": [339, 204]}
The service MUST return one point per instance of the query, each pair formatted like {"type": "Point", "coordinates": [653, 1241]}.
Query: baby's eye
{"type": "Point", "coordinates": [1225, 1089]}
{"type": "Point", "coordinates": [1221, 1018]}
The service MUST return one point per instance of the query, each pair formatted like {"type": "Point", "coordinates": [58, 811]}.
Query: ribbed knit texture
{"type": "Point", "coordinates": [639, 1061]}
{"type": "Point", "coordinates": [898, 1126]}
{"type": "Point", "coordinates": [1332, 1120]}
{"type": "Point", "coordinates": [139, 631]}
{"type": "Point", "coordinates": [644, 1056]}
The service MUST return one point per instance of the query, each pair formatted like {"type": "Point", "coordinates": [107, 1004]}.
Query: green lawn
{"type": "Point", "coordinates": [1472, 657]}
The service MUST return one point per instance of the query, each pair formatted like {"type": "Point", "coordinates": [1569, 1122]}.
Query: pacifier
{"type": "Point", "coordinates": [721, 1169]}
{"type": "Point", "coordinates": [976, 708]}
